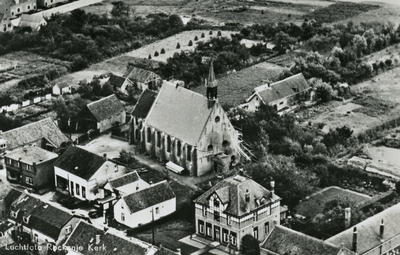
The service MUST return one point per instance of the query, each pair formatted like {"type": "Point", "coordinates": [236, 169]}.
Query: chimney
{"type": "Point", "coordinates": [247, 196]}
{"type": "Point", "coordinates": [272, 184]}
{"type": "Point", "coordinates": [97, 239]}
{"type": "Point", "coordinates": [381, 230]}
{"type": "Point", "coordinates": [105, 156]}
{"type": "Point", "coordinates": [347, 217]}
{"type": "Point", "coordinates": [354, 246]}
{"type": "Point", "coordinates": [178, 251]}
{"type": "Point", "coordinates": [151, 183]}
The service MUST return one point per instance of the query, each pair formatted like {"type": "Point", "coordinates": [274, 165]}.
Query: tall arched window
{"type": "Point", "coordinates": [210, 148]}
{"type": "Point", "coordinates": [179, 149]}
{"type": "Point", "coordinates": [189, 153]}
{"type": "Point", "coordinates": [168, 144]}
{"type": "Point", "coordinates": [148, 135]}
{"type": "Point", "coordinates": [158, 139]}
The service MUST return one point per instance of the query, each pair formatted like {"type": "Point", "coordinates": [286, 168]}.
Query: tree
{"type": "Point", "coordinates": [196, 38]}
{"type": "Point", "coordinates": [250, 246]}
{"type": "Point", "coordinates": [120, 9]}
{"type": "Point", "coordinates": [107, 90]}
{"type": "Point", "coordinates": [149, 56]}
{"type": "Point", "coordinates": [210, 33]}
{"type": "Point", "coordinates": [162, 51]}
{"type": "Point", "coordinates": [7, 123]}
{"type": "Point", "coordinates": [202, 35]}
{"type": "Point", "coordinates": [178, 46]}
{"type": "Point", "coordinates": [156, 54]}
{"type": "Point", "coordinates": [323, 91]}
{"type": "Point", "coordinates": [284, 42]}
{"type": "Point", "coordinates": [190, 43]}
{"type": "Point", "coordinates": [219, 33]}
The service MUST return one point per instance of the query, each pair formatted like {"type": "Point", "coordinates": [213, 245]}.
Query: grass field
{"type": "Point", "coordinates": [316, 203]}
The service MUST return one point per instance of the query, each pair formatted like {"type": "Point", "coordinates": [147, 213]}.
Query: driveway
{"type": "Point", "coordinates": [104, 144]}
{"type": "Point", "coordinates": [66, 7]}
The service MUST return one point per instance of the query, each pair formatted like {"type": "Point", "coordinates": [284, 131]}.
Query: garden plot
{"type": "Point", "coordinates": [169, 44]}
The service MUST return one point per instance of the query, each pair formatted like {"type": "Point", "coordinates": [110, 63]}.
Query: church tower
{"type": "Point", "coordinates": [211, 84]}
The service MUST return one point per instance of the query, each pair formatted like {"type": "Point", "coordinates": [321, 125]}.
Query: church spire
{"type": "Point", "coordinates": [211, 84]}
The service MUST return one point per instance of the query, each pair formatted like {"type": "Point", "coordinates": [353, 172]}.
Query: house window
{"type": "Point", "coordinates": [83, 192]}
{"type": "Point", "coordinates": [210, 148]}
{"type": "Point", "coordinates": [122, 205]}
{"type": "Point", "coordinates": [68, 229]}
{"type": "Point", "coordinates": [157, 210]}
{"type": "Point", "coordinates": [257, 107]}
{"type": "Point", "coordinates": [25, 219]}
{"type": "Point", "coordinates": [266, 228]}
{"type": "Point", "coordinates": [168, 144]}
{"type": "Point", "coordinates": [255, 232]}
{"type": "Point", "coordinates": [229, 220]}
{"type": "Point", "coordinates": [29, 180]}
{"type": "Point", "coordinates": [201, 226]}
{"type": "Point", "coordinates": [281, 103]}
{"type": "Point", "coordinates": [255, 216]}
{"type": "Point", "coordinates": [204, 211]}
{"type": "Point", "coordinates": [216, 216]}
{"type": "Point", "coordinates": [216, 203]}
{"type": "Point", "coordinates": [12, 13]}
{"type": "Point", "coordinates": [225, 235]}
{"type": "Point", "coordinates": [189, 153]}
{"type": "Point", "coordinates": [115, 168]}
{"type": "Point", "coordinates": [217, 119]}
{"type": "Point", "coordinates": [122, 217]}
{"type": "Point", "coordinates": [233, 238]}
{"type": "Point", "coordinates": [28, 167]}
{"type": "Point", "coordinates": [179, 149]}
{"type": "Point", "coordinates": [148, 135]}
{"type": "Point", "coordinates": [29, 7]}
{"type": "Point", "coordinates": [18, 10]}
{"type": "Point", "coordinates": [35, 238]}
{"type": "Point", "coordinates": [208, 229]}
{"type": "Point", "coordinates": [77, 188]}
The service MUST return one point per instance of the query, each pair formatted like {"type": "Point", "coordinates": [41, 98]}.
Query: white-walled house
{"type": "Point", "coordinates": [62, 88]}
{"type": "Point", "coordinates": [146, 205]}
{"type": "Point", "coordinates": [126, 184]}
{"type": "Point", "coordinates": [280, 95]}
{"type": "Point", "coordinates": [83, 174]}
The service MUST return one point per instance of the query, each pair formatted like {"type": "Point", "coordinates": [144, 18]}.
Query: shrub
{"type": "Point", "coordinates": [156, 54]}
{"type": "Point", "coordinates": [210, 33]}
{"type": "Point", "coordinates": [219, 33]}
{"type": "Point", "coordinates": [149, 56]}
{"type": "Point", "coordinates": [196, 38]}
{"type": "Point", "coordinates": [162, 51]}
{"type": "Point", "coordinates": [388, 62]}
{"type": "Point", "coordinates": [202, 35]}
{"type": "Point", "coordinates": [178, 46]}
{"type": "Point", "coordinates": [190, 43]}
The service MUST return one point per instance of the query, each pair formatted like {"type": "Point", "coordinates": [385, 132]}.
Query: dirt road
{"type": "Point", "coordinates": [67, 7]}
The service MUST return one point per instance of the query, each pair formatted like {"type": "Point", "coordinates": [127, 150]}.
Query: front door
{"type": "Point", "coordinates": [217, 235]}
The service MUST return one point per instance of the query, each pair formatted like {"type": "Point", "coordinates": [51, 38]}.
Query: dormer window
{"type": "Point", "coordinates": [216, 203]}
{"type": "Point", "coordinates": [26, 219]}
{"type": "Point", "coordinates": [14, 214]}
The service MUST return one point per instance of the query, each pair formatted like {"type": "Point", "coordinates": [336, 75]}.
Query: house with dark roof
{"type": "Point", "coordinates": [145, 205]}
{"type": "Point", "coordinates": [40, 223]}
{"type": "Point", "coordinates": [102, 114]}
{"type": "Point", "coordinates": [62, 88]}
{"type": "Point", "coordinates": [35, 22]}
{"type": "Point", "coordinates": [120, 83]}
{"type": "Point", "coordinates": [86, 239]}
{"type": "Point", "coordinates": [48, 3]}
{"type": "Point", "coordinates": [83, 174]}
{"type": "Point", "coordinates": [139, 114]}
{"type": "Point", "coordinates": [43, 133]}
{"type": "Point", "coordinates": [126, 184]}
{"type": "Point", "coordinates": [379, 234]}
{"type": "Point", "coordinates": [144, 79]}
{"type": "Point", "coordinates": [188, 129]}
{"type": "Point", "coordinates": [9, 196]}
{"type": "Point", "coordinates": [31, 167]}
{"type": "Point", "coordinates": [283, 240]}
{"type": "Point", "coordinates": [235, 207]}
{"type": "Point", "coordinates": [281, 94]}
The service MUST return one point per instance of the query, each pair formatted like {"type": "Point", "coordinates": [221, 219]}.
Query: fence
{"type": "Point", "coordinates": [13, 107]}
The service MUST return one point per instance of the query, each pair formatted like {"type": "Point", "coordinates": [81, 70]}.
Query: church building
{"type": "Point", "coordinates": [186, 128]}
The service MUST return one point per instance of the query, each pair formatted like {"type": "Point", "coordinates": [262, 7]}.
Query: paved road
{"type": "Point", "coordinates": [67, 7]}
{"type": "Point", "coordinates": [394, 2]}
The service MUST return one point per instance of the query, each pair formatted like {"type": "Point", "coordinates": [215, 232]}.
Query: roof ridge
{"type": "Point", "coordinates": [101, 99]}
{"type": "Point", "coordinates": [308, 236]}
{"type": "Point", "coordinates": [277, 82]}
{"type": "Point", "coordinates": [26, 125]}
{"type": "Point", "coordinates": [124, 175]}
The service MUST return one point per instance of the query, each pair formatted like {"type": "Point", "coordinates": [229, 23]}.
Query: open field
{"type": "Point", "coordinates": [384, 88]}
{"type": "Point", "coordinates": [316, 202]}
{"type": "Point", "coordinates": [27, 65]}
{"type": "Point", "coordinates": [384, 14]}
{"type": "Point", "coordinates": [117, 65]}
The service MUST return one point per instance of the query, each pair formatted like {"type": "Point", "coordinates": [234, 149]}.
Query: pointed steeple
{"type": "Point", "coordinates": [211, 84]}
{"type": "Point", "coordinates": [211, 81]}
